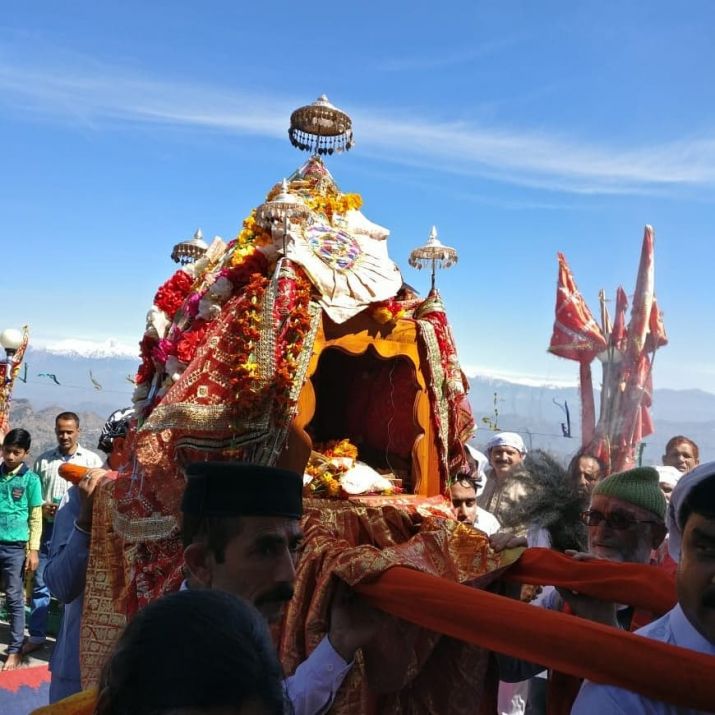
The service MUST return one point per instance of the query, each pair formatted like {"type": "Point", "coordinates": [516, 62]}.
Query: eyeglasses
{"type": "Point", "coordinates": [614, 521]}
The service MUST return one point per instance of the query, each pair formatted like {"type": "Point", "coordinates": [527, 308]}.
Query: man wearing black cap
{"type": "Point", "coordinates": [242, 534]}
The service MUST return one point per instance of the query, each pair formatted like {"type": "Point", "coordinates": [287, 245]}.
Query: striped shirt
{"type": "Point", "coordinates": [47, 467]}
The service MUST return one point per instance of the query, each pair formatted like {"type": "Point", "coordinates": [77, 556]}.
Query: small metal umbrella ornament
{"type": "Point", "coordinates": [191, 250]}
{"type": "Point", "coordinates": [433, 252]}
{"type": "Point", "coordinates": [285, 207]}
{"type": "Point", "coordinates": [321, 128]}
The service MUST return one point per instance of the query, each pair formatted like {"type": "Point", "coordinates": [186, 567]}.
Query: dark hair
{"type": "Point", "coordinates": [213, 531]}
{"type": "Point", "coordinates": [700, 500]}
{"type": "Point", "coordinates": [18, 437]}
{"type": "Point", "coordinates": [583, 452]}
{"type": "Point", "coordinates": [67, 416]}
{"type": "Point", "coordinates": [465, 479]}
{"type": "Point", "coordinates": [198, 649]}
{"type": "Point", "coordinates": [551, 502]}
{"type": "Point", "coordinates": [679, 439]}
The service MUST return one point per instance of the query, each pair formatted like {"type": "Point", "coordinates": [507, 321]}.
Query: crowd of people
{"type": "Point", "coordinates": [242, 537]}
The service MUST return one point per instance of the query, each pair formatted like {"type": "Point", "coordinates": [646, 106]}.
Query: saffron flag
{"type": "Point", "coordinates": [576, 334]}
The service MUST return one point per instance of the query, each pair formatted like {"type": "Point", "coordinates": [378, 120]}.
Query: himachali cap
{"type": "Point", "coordinates": [639, 486]}
{"type": "Point", "coordinates": [507, 439]}
{"type": "Point", "coordinates": [684, 486]}
{"type": "Point", "coordinates": [228, 489]}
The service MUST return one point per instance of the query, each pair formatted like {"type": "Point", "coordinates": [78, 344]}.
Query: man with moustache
{"type": "Point", "coordinates": [625, 522]}
{"type": "Point", "coordinates": [507, 480]}
{"type": "Point", "coordinates": [691, 623]}
{"type": "Point", "coordinates": [242, 534]}
{"type": "Point", "coordinates": [54, 488]}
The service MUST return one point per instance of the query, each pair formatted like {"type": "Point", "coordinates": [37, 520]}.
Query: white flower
{"type": "Point", "coordinates": [221, 289]}
{"type": "Point", "coordinates": [157, 323]}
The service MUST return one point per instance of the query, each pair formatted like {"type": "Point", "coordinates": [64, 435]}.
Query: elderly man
{"type": "Point", "coordinates": [691, 624]}
{"type": "Point", "coordinates": [507, 479]}
{"type": "Point", "coordinates": [242, 534]}
{"type": "Point", "coordinates": [626, 522]}
{"type": "Point", "coordinates": [681, 453]}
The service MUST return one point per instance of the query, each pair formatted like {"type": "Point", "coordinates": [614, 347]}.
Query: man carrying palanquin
{"type": "Point", "coordinates": [626, 522]}
{"type": "Point", "coordinates": [242, 534]}
{"type": "Point", "coordinates": [463, 494]}
{"type": "Point", "coordinates": [691, 623]}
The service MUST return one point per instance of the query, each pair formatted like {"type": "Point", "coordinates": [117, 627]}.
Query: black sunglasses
{"type": "Point", "coordinates": [615, 521]}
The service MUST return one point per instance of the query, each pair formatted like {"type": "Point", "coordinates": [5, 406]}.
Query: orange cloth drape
{"type": "Point", "coordinates": [646, 587]}
{"type": "Point", "coordinates": [565, 643]}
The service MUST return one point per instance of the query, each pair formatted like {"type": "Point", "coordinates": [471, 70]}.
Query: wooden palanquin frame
{"type": "Point", "coordinates": [395, 339]}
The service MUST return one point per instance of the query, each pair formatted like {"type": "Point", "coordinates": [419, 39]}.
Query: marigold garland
{"type": "Point", "coordinates": [252, 392]}
{"type": "Point", "coordinates": [331, 204]}
{"type": "Point", "coordinates": [250, 236]}
{"type": "Point", "coordinates": [388, 311]}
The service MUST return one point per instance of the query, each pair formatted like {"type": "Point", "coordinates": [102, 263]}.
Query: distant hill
{"type": "Point", "coordinates": [535, 409]}
{"type": "Point", "coordinates": [529, 407]}
{"type": "Point", "coordinates": [41, 425]}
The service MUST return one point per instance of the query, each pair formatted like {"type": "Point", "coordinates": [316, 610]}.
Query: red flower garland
{"type": "Point", "coordinates": [172, 294]}
{"type": "Point", "coordinates": [189, 341]}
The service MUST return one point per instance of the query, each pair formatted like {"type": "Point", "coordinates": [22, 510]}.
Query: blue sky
{"type": "Point", "coordinates": [518, 128]}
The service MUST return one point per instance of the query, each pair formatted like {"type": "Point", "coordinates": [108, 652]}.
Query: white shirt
{"type": "Point", "coordinates": [47, 467]}
{"type": "Point", "coordinates": [673, 628]}
{"type": "Point", "coordinates": [486, 522]}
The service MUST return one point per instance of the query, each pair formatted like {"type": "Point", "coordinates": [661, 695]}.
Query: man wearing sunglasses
{"type": "Point", "coordinates": [626, 518]}
{"type": "Point", "coordinates": [691, 623]}
{"type": "Point", "coordinates": [626, 523]}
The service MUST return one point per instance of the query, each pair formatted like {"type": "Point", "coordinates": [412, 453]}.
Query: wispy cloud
{"type": "Point", "coordinates": [427, 61]}
{"type": "Point", "coordinates": [109, 95]}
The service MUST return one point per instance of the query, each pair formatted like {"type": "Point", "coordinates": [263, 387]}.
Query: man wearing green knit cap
{"type": "Point", "coordinates": [626, 523]}
{"type": "Point", "coordinates": [626, 518]}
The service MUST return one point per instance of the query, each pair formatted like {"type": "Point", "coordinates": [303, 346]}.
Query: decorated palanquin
{"type": "Point", "coordinates": [297, 343]}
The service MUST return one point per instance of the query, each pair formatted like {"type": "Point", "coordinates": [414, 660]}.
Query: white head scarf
{"type": "Point", "coordinates": [684, 486]}
{"type": "Point", "coordinates": [507, 439]}
{"type": "Point", "coordinates": [668, 475]}
{"type": "Point", "coordinates": [480, 458]}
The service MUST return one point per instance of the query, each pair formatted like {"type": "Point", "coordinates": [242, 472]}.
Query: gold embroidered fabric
{"type": "Point", "coordinates": [356, 542]}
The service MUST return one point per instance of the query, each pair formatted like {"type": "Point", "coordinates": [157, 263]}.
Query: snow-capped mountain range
{"type": "Point", "coordinates": [96, 378]}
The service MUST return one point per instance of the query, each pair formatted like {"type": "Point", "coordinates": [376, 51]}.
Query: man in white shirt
{"type": "Point", "coordinates": [54, 487]}
{"type": "Point", "coordinates": [691, 624]}
{"type": "Point", "coordinates": [463, 493]}
{"type": "Point", "coordinates": [242, 534]}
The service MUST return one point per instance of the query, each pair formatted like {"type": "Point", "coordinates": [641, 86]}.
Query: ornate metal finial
{"type": "Point", "coordinates": [282, 209]}
{"type": "Point", "coordinates": [189, 251]}
{"type": "Point", "coordinates": [433, 252]}
{"type": "Point", "coordinates": [321, 128]}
